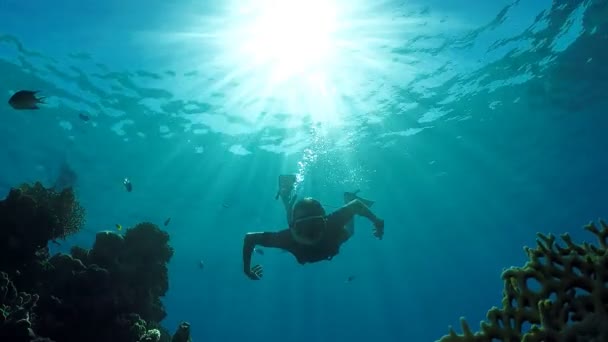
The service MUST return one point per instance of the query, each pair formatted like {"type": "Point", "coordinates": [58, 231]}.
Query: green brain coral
{"type": "Point", "coordinates": [570, 303]}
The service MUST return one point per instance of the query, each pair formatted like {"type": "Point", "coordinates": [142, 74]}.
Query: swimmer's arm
{"type": "Point", "coordinates": [357, 207]}
{"type": "Point", "coordinates": [266, 239]}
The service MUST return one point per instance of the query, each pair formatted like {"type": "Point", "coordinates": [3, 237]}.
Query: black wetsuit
{"type": "Point", "coordinates": [328, 247]}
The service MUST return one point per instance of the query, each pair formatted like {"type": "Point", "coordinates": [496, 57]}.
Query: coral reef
{"type": "Point", "coordinates": [111, 292]}
{"type": "Point", "coordinates": [138, 265]}
{"type": "Point", "coordinates": [64, 213]}
{"type": "Point", "coordinates": [15, 309]}
{"type": "Point", "coordinates": [569, 303]}
{"type": "Point", "coordinates": [183, 333]}
{"type": "Point", "coordinates": [30, 217]}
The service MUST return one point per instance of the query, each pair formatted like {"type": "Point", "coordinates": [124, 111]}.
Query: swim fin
{"type": "Point", "coordinates": [286, 184]}
{"type": "Point", "coordinates": [350, 196]}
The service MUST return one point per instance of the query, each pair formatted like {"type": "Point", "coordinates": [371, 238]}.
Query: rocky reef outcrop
{"type": "Point", "coordinates": [111, 292]}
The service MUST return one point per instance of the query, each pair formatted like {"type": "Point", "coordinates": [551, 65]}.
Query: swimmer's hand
{"type": "Point", "coordinates": [379, 228]}
{"type": "Point", "coordinates": [255, 273]}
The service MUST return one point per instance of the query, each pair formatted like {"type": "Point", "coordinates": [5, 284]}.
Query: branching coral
{"type": "Point", "coordinates": [570, 305]}
{"type": "Point", "coordinates": [15, 310]}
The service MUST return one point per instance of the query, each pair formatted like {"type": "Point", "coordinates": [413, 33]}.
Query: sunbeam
{"type": "Point", "coordinates": [303, 58]}
{"type": "Point", "coordinates": [296, 63]}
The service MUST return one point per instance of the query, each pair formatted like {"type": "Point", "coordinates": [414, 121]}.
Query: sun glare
{"type": "Point", "coordinates": [300, 57]}
{"type": "Point", "coordinates": [290, 36]}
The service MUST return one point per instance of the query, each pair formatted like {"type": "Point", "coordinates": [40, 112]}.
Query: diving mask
{"type": "Point", "coordinates": [309, 230]}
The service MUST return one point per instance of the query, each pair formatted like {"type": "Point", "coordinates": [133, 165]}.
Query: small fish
{"type": "Point", "coordinates": [25, 99]}
{"type": "Point", "coordinates": [84, 117]}
{"type": "Point", "coordinates": [167, 221]}
{"type": "Point", "coordinates": [128, 185]}
{"type": "Point", "coordinates": [259, 251]}
{"type": "Point", "coordinates": [201, 264]}
{"type": "Point", "coordinates": [225, 205]}
{"type": "Point", "coordinates": [118, 227]}
{"type": "Point", "coordinates": [350, 279]}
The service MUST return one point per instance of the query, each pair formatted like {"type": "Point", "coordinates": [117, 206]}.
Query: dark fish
{"type": "Point", "coordinates": [84, 117]}
{"type": "Point", "coordinates": [201, 264]}
{"type": "Point", "coordinates": [167, 221]}
{"type": "Point", "coordinates": [350, 278]}
{"type": "Point", "coordinates": [225, 205]}
{"type": "Point", "coordinates": [128, 185]}
{"type": "Point", "coordinates": [25, 99]}
{"type": "Point", "coordinates": [259, 251]}
{"type": "Point", "coordinates": [66, 178]}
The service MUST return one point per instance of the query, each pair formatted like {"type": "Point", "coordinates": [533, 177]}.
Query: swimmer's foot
{"type": "Point", "coordinates": [286, 187]}
{"type": "Point", "coordinates": [349, 196]}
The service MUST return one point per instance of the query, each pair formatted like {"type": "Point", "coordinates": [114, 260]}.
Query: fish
{"type": "Point", "coordinates": [350, 279]}
{"type": "Point", "coordinates": [84, 117]}
{"type": "Point", "coordinates": [128, 185]}
{"type": "Point", "coordinates": [259, 251]}
{"type": "Point", "coordinates": [25, 99]}
{"type": "Point", "coordinates": [225, 205]}
{"type": "Point", "coordinates": [66, 178]}
{"type": "Point", "coordinates": [118, 227]}
{"type": "Point", "coordinates": [201, 264]}
{"type": "Point", "coordinates": [167, 221]}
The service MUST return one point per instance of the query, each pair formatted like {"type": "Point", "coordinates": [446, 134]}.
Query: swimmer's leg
{"type": "Point", "coordinates": [287, 194]}
{"type": "Point", "coordinates": [288, 202]}
{"type": "Point", "coordinates": [348, 197]}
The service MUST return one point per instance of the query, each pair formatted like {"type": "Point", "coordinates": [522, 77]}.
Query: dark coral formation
{"type": "Point", "coordinates": [15, 309]}
{"type": "Point", "coordinates": [183, 333]}
{"type": "Point", "coordinates": [138, 265]}
{"type": "Point", "coordinates": [30, 217]}
{"type": "Point", "coordinates": [64, 213]}
{"type": "Point", "coordinates": [109, 293]}
{"type": "Point", "coordinates": [571, 303]}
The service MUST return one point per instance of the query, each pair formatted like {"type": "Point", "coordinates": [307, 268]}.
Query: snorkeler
{"type": "Point", "coordinates": [312, 235]}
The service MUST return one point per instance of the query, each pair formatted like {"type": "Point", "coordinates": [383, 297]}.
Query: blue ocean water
{"type": "Point", "coordinates": [473, 126]}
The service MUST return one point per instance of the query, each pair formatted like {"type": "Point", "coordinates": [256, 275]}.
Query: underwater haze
{"type": "Point", "coordinates": [472, 125]}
